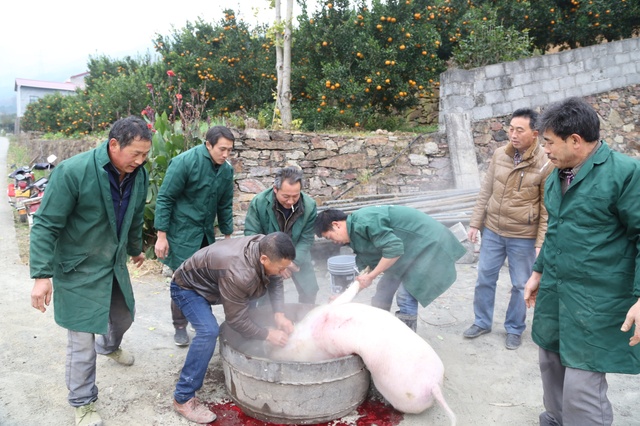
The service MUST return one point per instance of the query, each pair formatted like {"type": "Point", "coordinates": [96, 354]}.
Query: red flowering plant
{"type": "Point", "coordinates": [175, 131]}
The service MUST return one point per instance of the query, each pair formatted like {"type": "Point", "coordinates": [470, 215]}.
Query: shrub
{"type": "Point", "coordinates": [488, 42]}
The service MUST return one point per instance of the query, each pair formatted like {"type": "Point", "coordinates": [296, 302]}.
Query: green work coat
{"type": "Point", "coordinates": [427, 249]}
{"type": "Point", "coordinates": [590, 265]}
{"type": "Point", "coordinates": [261, 219]}
{"type": "Point", "coordinates": [192, 195]}
{"type": "Point", "coordinates": [74, 240]}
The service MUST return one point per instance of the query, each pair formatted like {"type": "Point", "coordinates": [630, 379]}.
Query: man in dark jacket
{"type": "Point", "coordinates": [416, 253]}
{"type": "Point", "coordinates": [586, 281]}
{"type": "Point", "coordinates": [197, 189]}
{"type": "Point", "coordinates": [232, 272]}
{"type": "Point", "coordinates": [286, 208]}
{"type": "Point", "coordinates": [90, 220]}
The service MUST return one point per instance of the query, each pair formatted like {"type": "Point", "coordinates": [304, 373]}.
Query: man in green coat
{"type": "Point", "coordinates": [90, 220]}
{"type": "Point", "coordinates": [197, 189]}
{"type": "Point", "coordinates": [287, 209]}
{"type": "Point", "coordinates": [416, 253]}
{"type": "Point", "coordinates": [586, 281]}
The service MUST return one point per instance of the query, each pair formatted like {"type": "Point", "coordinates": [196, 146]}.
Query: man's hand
{"type": "Point", "coordinates": [288, 272]}
{"type": "Point", "coordinates": [277, 337]}
{"type": "Point", "coordinates": [366, 279]}
{"type": "Point", "coordinates": [138, 259]}
{"type": "Point", "coordinates": [531, 289]}
{"type": "Point", "coordinates": [162, 245]}
{"type": "Point", "coordinates": [472, 235]}
{"type": "Point", "coordinates": [633, 317]}
{"type": "Point", "coordinates": [283, 323]}
{"type": "Point", "coordinates": [41, 294]}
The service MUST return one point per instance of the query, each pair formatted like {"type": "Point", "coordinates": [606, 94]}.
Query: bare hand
{"type": "Point", "coordinates": [283, 323]}
{"type": "Point", "coordinates": [285, 274]}
{"type": "Point", "coordinates": [531, 289]}
{"type": "Point", "coordinates": [277, 337]}
{"type": "Point", "coordinates": [138, 259]}
{"type": "Point", "coordinates": [288, 272]}
{"type": "Point", "coordinates": [472, 235]}
{"type": "Point", "coordinates": [633, 317]}
{"type": "Point", "coordinates": [41, 294]}
{"type": "Point", "coordinates": [162, 247]}
{"type": "Point", "coordinates": [365, 280]}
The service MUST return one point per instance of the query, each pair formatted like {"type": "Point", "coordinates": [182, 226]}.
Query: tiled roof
{"type": "Point", "coordinates": [23, 82]}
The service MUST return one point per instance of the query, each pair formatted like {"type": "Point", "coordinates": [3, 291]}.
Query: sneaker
{"type": "Point", "coordinates": [475, 331]}
{"type": "Point", "coordinates": [86, 415]}
{"type": "Point", "coordinates": [513, 341]}
{"type": "Point", "coordinates": [167, 272]}
{"type": "Point", "coordinates": [194, 411]}
{"type": "Point", "coordinates": [122, 357]}
{"type": "Point", "coordinates": [181, 337]}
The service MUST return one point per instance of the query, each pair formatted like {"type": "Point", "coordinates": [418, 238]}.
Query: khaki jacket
{"type": "Point", "coordinates": [511, 199]}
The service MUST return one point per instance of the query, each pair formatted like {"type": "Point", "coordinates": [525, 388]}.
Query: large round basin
{"type": "Point", "coordinates": [289, 392]}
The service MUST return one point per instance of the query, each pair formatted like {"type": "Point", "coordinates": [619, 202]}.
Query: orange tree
{"type": "Point", "coordinates": [231, 65]}
{"type": "Point", "coordinates": [113, 89]}
{"type": "Point", "coordinates": [352, 65]}
{"type": "Point", "coordinates": [570, 23]}
{"type": "Point", "coordinates": [57, 113]}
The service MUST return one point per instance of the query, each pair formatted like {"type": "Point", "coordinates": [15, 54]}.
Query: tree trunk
{"type": "Point", "coordinates": [279, 58]}
{"type": "Point", "coordinates": [285, 87]}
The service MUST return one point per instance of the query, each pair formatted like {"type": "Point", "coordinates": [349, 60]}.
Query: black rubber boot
{"type": "Point", "coordinates": [410, 320]}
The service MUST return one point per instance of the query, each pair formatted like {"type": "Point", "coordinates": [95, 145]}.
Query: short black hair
{"type": "Point", "coordinates": [527, 113]}
{"type": "Point", "coordinates": [128, 129]}
{"type": "Point", "coordinates": [571, 116]}
{"type": "Point", "coordinates": [325, 219]}
{"type": "Point", "coordinates": [216, 132]}
{"type": "Point", "coordinates": [277, 246]}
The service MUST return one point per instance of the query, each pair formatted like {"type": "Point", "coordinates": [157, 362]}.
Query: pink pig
{"type": "Point", "coordinates": [403, 367]}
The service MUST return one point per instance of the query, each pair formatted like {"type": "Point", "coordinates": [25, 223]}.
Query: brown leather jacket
{"type": "Point", "coordinates": [229, 272]}
{"type": "Point", "coordinates": [511, 199]}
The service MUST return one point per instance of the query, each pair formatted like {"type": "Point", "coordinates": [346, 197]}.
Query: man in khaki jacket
{"type": "Point", "coordinates": [511, 210]}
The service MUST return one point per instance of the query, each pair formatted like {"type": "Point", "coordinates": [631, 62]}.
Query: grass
{"type": "Point", "coordinates": [17, 156]}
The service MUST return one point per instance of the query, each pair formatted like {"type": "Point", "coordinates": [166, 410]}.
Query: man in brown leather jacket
{"type": "Point", "coordinates": [231, 272]}
{"type": "Point", "coordinates": [511, 211]}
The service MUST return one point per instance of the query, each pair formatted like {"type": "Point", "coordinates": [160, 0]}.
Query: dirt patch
{"type": "Point", "coordinates": [22, 238]}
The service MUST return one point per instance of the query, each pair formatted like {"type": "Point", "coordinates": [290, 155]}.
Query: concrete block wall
{"type": "Point", "coordinates": [499, 89]}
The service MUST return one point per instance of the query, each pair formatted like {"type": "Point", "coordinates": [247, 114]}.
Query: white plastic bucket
{"type": "Point", "coordinates": [343, 272]}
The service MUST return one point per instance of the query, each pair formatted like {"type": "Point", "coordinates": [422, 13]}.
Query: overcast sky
{"type": "Point", "coordinates": [52, 40]}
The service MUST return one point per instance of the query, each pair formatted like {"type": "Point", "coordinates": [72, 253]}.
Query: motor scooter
{"type": "Point", "coordinates": [24, 193]}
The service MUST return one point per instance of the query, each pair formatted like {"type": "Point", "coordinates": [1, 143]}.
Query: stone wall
{"type": "Point", "coordinates": [619, 112]}
{"type": "Point", "coordinates": [334, 165]}
{"type": "Point", "coordinates": [341, 166]}
{"type": "Point", "coordinates": [40, 149]}
{"type": "Point", "coordinates": [499, 89]}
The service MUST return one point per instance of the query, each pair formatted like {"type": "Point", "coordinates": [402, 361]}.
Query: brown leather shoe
{"type": "Point", "coordinates": [194, 411]}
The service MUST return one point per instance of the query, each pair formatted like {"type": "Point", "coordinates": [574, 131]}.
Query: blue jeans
{"type": "Point", "coordinates": [383, 298]}
{"type": "Point", "coordinates": [198, 312]}
{"type": "Point", "coordinates": [521, 253]}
